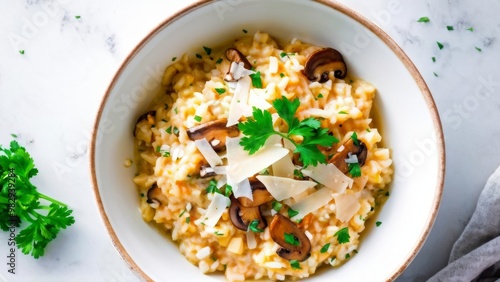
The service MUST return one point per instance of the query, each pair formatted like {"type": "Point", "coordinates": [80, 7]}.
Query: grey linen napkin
{"type": "Point", "coordinates": [476, 254]}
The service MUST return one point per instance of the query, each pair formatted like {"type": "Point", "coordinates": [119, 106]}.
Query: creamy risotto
{"type": "Point", "coordinates": [262, 159]}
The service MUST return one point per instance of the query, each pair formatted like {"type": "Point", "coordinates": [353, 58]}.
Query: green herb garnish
{"type": "Point", "coordinates": [212, 187]}
{"type": "Point", "coordinates": [198, 56]}
{"type": "Point", "coordinates": [471, 29]}
{"type": "Point", "coordinates": [440, 45]}
{"type": "Point", "coordinates": [256, 80]}
{"type": "Point", "coordinates": [21, 52]}
{"type": "Point", "coordinates": [354, 138]}
{"type": "Point", "coordinates": [433, 59]}
{"type": "Point", "coordinates": [479, 49]}
{"type": "Point", "coordinates": [174, 58]}
{"type": "Point", "coordinates": [292, 213]}
{"type": "Point", "coordinates": [258, 128]}
{"type": "Point", "coordinates": [197, 118]}
{"type": "Point", "coordinates": [277, 206]}
{"type": "Point", "coordinates": [220, 90]}
{"type": "Point", "coordinates": [169, 130]}
{"type": "Point", "coordinates": [282, 75]}
{"type": "Point", "coordinates": [77, 17]}
{"type": "Point", "coordinates": [291, 239]}
{"type": "Point", "coordinates": [283, 54]}
{"type": "Point", "coordinates": [244, 31]}
{"type": "Point", "coordinates": [354, 170]}
{"type": "Point", "coordinates": [253, 226]}
{"type": "Point", "coordinates": [207, 50]}
{"type": "Point", "coordinates": [449, 27]}
{"type": "Point", "coordinates": [343, 235]}
{"type": "Point", "coordinates": [343, 113]}
{"type": "Point", "coordinates": [228, 191]}
{"type": "Point", "coordinates": [21, 202]}
{"type": "Point", "coordinates": [295, 264]}
{"type": "Point", "coordinates": [424, 20]}
{"type": "Point", "coordinates": [325, 248]}
{"type": "Point", "coordinates": [378, 223]}
{"type": "Point", "coordinates": [218, 61]}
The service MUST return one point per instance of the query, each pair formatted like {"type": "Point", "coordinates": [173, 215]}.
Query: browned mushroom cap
{"type": "Point", "coordinates": [155, 197]}
{"type": "Point", "coordinates": [215, 132]}
{"type": "Point", "coordinates": [233, 55]}
{"type": "Point", "coordinates": [206, 171]}
{"type": "Point", "coordinates": [349, 147]}
{"type": "Point", "coordinates": [241, 216]}
{"type": "Point", "coordinates": [323, 61]}
{"type": "Point", "coordinates": [259, 193]}
{"type": "Point", "coordinates": [148, 117]}
{"type": "Point", "coordinates": [294, 245]}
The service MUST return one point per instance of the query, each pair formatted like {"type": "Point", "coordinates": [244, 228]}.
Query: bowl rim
{"type": "Point", "coordinates": [438, 130]}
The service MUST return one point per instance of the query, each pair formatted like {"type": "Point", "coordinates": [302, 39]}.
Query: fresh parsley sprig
{"type": "Point", "coordinates": [28, 206]}
{"type": "Point", "coordinates": [258, 128]}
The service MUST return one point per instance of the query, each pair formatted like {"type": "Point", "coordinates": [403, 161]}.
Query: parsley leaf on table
{"type": "Point", "coordinates": [258, 128]}
{"type": "Point", "coordinates": [21, 202]}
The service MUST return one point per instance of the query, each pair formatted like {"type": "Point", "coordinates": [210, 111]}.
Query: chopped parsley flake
{"type": "Point", "coordinates": [166, 154]}
{"type": "Point", "coordinates": [218, 61]}
{"type": "Point", "coordinates": [228, 191]}
{"type": "Point", "coordinates": [471, 29]}
{"type": "Point", "coordinates": [188, 219]}
{"type": "Point", "coordinates": [449, 27]}
{"type": "Point", "coordinates": [479, 49]}
{"type": "Point", "coordinates": [198, 56]}
{"type": "Point", "coordinates": [354, 138]}
{"type": "Point", "coordinates": [343, 235]}
{"type": "Point", "coordinates": [435, 74]}
{"type": "Point", "coordinates": [320, 96]}
{"type": "Point", "coordinates": [197, 118]}
{"type": "Point", "coordinates": [295, 264]}
{"type": "Point", "coordinates": [256, 80]}
{"type": "Point", "coordinates": [347, 256]}
{"type": "Point", "coordinates": [277, 206]}
{"type": "Point", "coordinates": [291, 239]}
{"type": "Point", "coordinates": [292, 213]}
{"type": "Point", "coordinates": [174, 58]}
{"type": "Point", "coordinates": [244, 31]}
{"type": "Point", "coordinates": [169, 130]}
{"type": "Point", "coordinates": [354, 170]}
{"type": "Point", "coordinates": [368, 130]}
{"type": "Point", "coordinates": [218, 233]}
{"type": "Point", "coordinates": [220, 90]}
{"type": "Point", "coordinates": [325, 248]}
{"type": "Point", "coordinates": [424, 20]}
{"type": "Point", "coordinates": [158, 148]}
{"type": "Point", "coordinates": [182, 213]}
{"type": "Point", "coordinates": [282, 75]}
{"type": "Point", "coordinates": [14, 135]}
{"type": "Point", "coordinates": [283, 54]}
{"type": "Point", "coordinates": [21, 52]}
{"type": "Point", "coordinates": [253, 226]}
{"type": "Point", "coordinates": [343, 113]}
{"type": "Point", "coordinates": [298, 173]}
{"type": "Point", "coordinates": [440, 45]}
{"type": "Point", "coordinates": [378, 223]}
{"type": "Point", "coordinates": [433, 59]}
{"type": "Point", "coordinates": [387, 193]}
{"type": "Point", "coordinates": [207, 50]}
{"type": "Point", "coordinates": [176, 111]}
{"type": "Point", "coordinates": [77, 17]}
{"type": "Point", "coordinates": [212, 187]}
{"type": "Point", "coordinates": [142, 195]}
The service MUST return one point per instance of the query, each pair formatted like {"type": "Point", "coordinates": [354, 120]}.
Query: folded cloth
{"type": "Point", "coordinates": [476, 254]}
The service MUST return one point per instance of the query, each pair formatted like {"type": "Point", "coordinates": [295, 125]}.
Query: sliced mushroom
{"type": "Point", "coordinates": [323, 61]}
{"type": "Point", "coordinates": [215, 132]}
{"type": "Point", "coordinates": [241, 216]}
{"type": "Point", "coordinates": [155, 197]}
{"type": "Point", "coordinates": [339, 158]}
{"type": "Point", "coordinates": [259, 193]}
{"type": "Point", "coordinates": [233, 55]}
{"type": "Point", "coordinates": [206, 171]}
{"type": "Point", "coordinates": [148, 118]}
{"type": "Point", "coordinates": [280, 225]}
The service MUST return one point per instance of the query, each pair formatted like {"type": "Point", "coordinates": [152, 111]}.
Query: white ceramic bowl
{"type": "Point", "coordinates": [411, 128]}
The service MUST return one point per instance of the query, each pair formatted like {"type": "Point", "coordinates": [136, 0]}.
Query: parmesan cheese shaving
{"type": "Point", "coordinates": [216, 209]}
{"type": "Point", "coordinates": [243, 189]}
{"type": "Point", "coordinates": [241, 165]}
{"type": "Point", "coordinates": [256, 99]}
{"type": "Point", "coordinates": [330, 176]}
{"type": "Point", "coordinates": [347, 206]}
{"type": "Point", "coordinates": [284, 167]}
{"type": "Point", "coordinates": [312, 202]}
{"type": "Point", "coordinates": [239, 106]}
{"type": "Point", "coordinates": [283, 188]}
{"type": "Point", "coordinates": [208, 152]}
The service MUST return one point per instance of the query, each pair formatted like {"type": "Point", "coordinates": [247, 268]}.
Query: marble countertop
{"type": "Point", "coordinates": [50, 94]}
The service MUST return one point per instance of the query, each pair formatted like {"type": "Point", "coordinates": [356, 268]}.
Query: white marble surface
{"type": "Point", "coordinates": [49, 97]}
